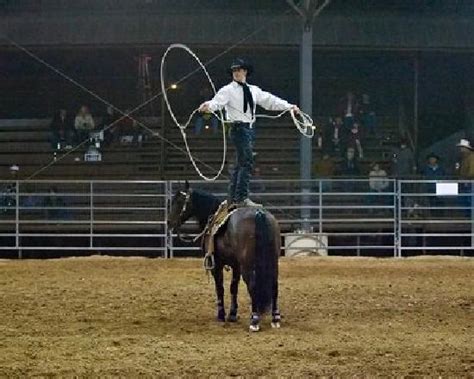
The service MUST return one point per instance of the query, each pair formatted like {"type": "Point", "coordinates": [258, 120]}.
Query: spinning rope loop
{"type": "Point", "coordinates": [302, 121]}
{"type": "Point", "coordinates": [182, 128]}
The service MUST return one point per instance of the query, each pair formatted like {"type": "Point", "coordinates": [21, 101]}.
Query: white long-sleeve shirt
{"type": "Point", "coordinates": [231, 98]}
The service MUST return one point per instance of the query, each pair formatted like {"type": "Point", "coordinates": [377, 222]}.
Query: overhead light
{"type": "Point", "coordinates": [174, 86]}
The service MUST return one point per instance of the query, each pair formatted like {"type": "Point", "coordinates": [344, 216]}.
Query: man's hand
{"type": "Point", "coordinates": [295, 109]}
{"type": "Point", "coordinates": [204, 108]}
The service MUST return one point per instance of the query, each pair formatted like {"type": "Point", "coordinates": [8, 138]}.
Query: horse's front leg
{"type": "Point", "coordinates": [234, 289]}
{"type": "Point", "coordinates": [219, 282]}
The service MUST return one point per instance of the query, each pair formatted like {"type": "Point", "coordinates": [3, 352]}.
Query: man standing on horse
{"type": "Point", "coordinates": [239, 100]}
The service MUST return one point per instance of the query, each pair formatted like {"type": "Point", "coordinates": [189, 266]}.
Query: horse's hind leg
{"type": "Point", "coordinates": [276, 317]}
{"type": "Point", "coordinates": [234, 288]}
{"type": "Point", "coordinates": [249, 279]}
{"type": "Point", "coordinates": [219, 282]}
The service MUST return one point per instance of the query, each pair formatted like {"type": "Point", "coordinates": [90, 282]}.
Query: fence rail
{"type": "Point", "coordinates": [341, 216]}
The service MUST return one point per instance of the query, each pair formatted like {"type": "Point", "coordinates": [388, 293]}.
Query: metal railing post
{"type": "Point", "coordinates": [91, 213]}
{"type": "Point", "coordinates": [169, 236]}
{"type": "Point", "coordinates": [17, 219]}
{"type": "Point", "coordinates": [398, 221]}
{"type": "Point", "coordinates": [166, 231]}
{"type": "Point", "coordinates": [471, 202]}
{"type": "Point", "coordinates": [320, 208]}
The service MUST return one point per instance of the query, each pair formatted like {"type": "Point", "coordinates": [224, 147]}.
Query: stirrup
{"type": "Point", "coordinates": [209, 262]}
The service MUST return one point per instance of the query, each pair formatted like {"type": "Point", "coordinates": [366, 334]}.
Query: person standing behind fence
{"type": "Point", "coordinates": [404, 165]}
{"type": "Point", "coordinates": [8, 192]}
{"type": "Point", "coordinates": [466, 172]}
{"type": "Point", "coordinates": [433, 171]}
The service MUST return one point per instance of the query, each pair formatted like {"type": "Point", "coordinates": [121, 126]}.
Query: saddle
{"type": "Point", "coordinates": [214, 224]}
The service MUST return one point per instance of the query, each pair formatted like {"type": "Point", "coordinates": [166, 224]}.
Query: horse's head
{"type": "Point", "coordinates": [181, 207]}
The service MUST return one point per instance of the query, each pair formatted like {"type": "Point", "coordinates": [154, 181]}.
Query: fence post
{"type": "Point", "coordinates": [169, 236]}
{"type": "Point", "coordinates": [17, 219]}
{"type": "Point", "coordinates": [320, 208]}
{"type": "Point", "coordinates": [91, 213]}
{"type": "Point", "coordinates": [398, 218]}
{"type": "Point", "coordinates": [471, 203]}
{"type": "Point", "coordinates": [166, 231]}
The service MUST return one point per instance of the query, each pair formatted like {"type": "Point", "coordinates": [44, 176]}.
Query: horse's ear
{"type": "Point", "coordinates": [186, 186]}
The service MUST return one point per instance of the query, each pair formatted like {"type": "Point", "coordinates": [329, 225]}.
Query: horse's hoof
{"type": "Point", "coordinates": [232, 318]}
{"type": "Point", "coordinates": [276, 325]}
{"type": "Point", "coordinates": [220, 315]}
{"type": "Point", "coordinates": [254, 328]}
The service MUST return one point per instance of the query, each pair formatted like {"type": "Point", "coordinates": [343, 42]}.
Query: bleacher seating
{"type": "Point", "coordinates": [26, 143]}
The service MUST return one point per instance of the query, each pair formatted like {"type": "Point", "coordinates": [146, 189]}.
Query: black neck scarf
{"type": "Point", "coordinates": [248, 99]}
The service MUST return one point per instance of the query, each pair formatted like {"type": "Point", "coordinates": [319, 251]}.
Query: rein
{"type": "Point", "coordinates": [186, 238]}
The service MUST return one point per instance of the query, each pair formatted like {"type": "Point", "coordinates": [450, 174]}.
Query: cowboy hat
{"type": "Point", "coordinates": [240, 63]}
{"type": "Point", "coordinates": [464, 143]}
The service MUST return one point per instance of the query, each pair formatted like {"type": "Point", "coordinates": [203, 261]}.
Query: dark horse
{"type": "Point", "coordinates": [249, 243]}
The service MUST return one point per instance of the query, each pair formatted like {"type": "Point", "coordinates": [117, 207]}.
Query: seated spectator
{"type": "Point", "coordinates": [8, 192]}
{"type": "Point", "coordinates": [354, 138]}
{"type": "Point", "coordinates": [378, 183]}
{"type": "Point", "coordinates": [367, 115]}
{"type": "Point", "coordinates": [83, 124]}
{"type": "Point", "coordinates": [325, 169]}
{"type": "Point", "coordinates": [61, 131]}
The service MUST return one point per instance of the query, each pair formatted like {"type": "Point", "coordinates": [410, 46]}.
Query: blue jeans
{"type": "Point", "coordinates": [243, 137]}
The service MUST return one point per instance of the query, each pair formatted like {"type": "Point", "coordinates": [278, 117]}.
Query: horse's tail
{"type": "Point", "coordinates": [266, 261]}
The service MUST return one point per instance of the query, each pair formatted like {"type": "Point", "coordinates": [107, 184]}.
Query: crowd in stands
{"type": "Point", "coordinates": [342, 142]}
{"type": "Point", "coordinates": [68, 131]}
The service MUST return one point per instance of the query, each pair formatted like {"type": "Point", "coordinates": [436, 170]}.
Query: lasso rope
{"type": "Point", "coordinates": [182, 128]}
{"type": "Point", "coordinates": [304, 124]}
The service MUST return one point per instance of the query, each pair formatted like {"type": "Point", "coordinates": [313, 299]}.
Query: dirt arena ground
{"type": "Point", "coordinates": [131, 316]}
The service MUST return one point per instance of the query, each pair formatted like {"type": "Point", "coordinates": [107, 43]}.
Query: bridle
{"type": "Point", "coordinates": [184, 208]}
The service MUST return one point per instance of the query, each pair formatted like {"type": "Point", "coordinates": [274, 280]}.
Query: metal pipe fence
{"type": "Point", "coordinates": [326, 216]}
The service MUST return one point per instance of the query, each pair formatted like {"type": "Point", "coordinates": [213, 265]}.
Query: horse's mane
{"type": "Point", "coordinates": [204, 204]}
